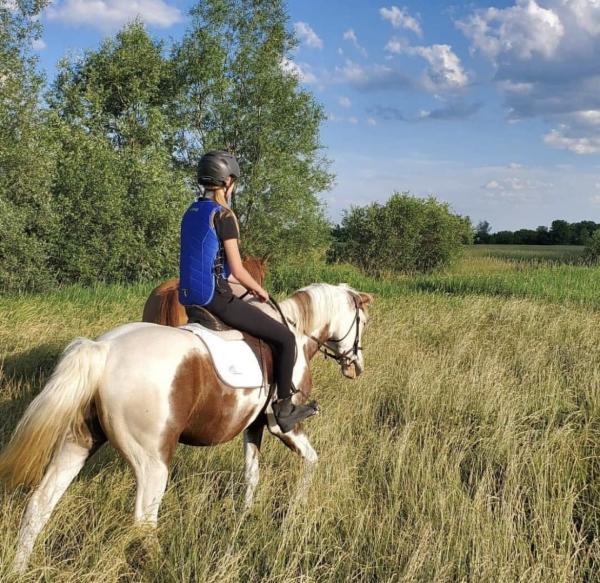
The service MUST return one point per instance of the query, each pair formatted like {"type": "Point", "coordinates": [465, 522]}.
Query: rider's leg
{"type": "Point", "coordinates": [248, 318]}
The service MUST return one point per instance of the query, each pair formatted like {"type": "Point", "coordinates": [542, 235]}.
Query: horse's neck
{"type": "Point", "coordinates": [300, 310]}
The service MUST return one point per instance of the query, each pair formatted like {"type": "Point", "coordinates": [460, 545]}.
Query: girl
{"type": "Point", "coordinates": [209, 254]}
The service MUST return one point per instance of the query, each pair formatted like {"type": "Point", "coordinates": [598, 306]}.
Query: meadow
{"type": "Point", "coordinates": [469, 450]}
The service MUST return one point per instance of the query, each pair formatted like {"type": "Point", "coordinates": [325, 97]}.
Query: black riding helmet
{"type": "Point", "coordinates": [216, 166]}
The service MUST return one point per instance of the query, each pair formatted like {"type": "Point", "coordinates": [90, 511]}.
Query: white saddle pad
{"type": "Point", "coordinates": [235, 362]}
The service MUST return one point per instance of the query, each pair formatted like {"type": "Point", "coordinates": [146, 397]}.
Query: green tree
{"type": "Point", "coordinates": [404, 234]}
{"type": "Point", "coordinates": [119, 191]}
{"type": "Point", "coordinates": [237, 94]}
{"type": "Point", "coordinates": [591, 252]}
{"type": "Point", "coordinates": [483, 232]}
{"type": "Point", "coordinates": [27, 153]}
{"type": "Point", "coordinates": [560, 232]}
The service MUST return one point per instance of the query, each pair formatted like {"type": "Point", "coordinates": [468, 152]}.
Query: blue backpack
{"type": "Point", "coordinates": [199, 249]}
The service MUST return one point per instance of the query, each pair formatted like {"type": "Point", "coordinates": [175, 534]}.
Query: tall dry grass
{"type": "Point", "coordinates": [468, 451]}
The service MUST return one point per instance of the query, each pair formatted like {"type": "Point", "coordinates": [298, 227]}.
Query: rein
{"type": "Point", "coordinates": [347, 357]}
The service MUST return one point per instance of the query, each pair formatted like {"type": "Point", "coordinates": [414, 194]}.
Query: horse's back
{"type": "Point", "coordinates": [160, 387]}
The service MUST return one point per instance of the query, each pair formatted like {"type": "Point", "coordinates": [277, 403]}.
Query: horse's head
{"type": "Point", "coordinates": [346, 329]}
{"type": "Point", "coordinates": [334, 317]}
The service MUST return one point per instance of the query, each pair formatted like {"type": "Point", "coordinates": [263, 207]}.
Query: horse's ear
{"type": "Point", "coordinates": [365, 299]}
{"type": "Point", "coordinates": [266, 257]}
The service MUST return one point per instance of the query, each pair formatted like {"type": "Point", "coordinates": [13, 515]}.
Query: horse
{"type": "Point", "coordinates": [163, 307]}
{"type": "Point", "coordinates": [144, 388]}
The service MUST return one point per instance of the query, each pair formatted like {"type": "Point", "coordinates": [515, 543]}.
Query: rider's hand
{"type": "Point", "coordinates": [261, 294]}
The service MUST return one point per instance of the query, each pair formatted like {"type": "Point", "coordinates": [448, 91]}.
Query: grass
{"type": "Point", "coordinates": [468, 451]}
{"type": "Point", "coordinates": [533, 253]}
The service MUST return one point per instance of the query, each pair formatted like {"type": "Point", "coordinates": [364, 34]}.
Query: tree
{"type": "Point", "coordinates": [120, 193]}
{"type": "Point", "coordinates": [236, 94]}
{"type": "Point", "coordinates": [482, 232]}
{"type": "Point", "coordinates": [26, 153]}
{"type": "Point", "coordinates": [591, 252]}
{"type": "Point", "coordinates": [560, 232]}
{"type": "Point", "coordinates": [404, 234]}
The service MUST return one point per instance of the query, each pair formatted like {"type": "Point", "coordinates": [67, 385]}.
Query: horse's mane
{"type": "Point", "coordinates": [316, 304]}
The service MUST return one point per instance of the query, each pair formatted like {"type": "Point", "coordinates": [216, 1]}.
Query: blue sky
{"type": "Point", "coordinates": [493, 107]}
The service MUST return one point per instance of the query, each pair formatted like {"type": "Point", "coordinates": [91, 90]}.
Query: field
{"type": "Point", "coordinates": [469, 450]}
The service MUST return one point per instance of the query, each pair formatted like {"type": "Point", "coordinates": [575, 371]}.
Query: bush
{"type": "Point", "coordinates": [591, 253]}
{"type": "Point", "coordinates": [404, 234]}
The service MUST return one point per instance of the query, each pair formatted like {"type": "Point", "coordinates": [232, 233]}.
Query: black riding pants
{"type": "Point", "coordinates": [247, 318]}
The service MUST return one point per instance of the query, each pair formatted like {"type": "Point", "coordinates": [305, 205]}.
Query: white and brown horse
{"type": "Point", "coordinates": [145, 388]}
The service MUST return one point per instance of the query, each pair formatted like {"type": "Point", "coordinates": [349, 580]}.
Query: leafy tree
{"type": "Point", "coordinates": [404, 234]}
{"type": "Point", "coordinates": [592, 250]}
{"type": "Point", "coordinates": [560, 232]}
{"type": "Point", "coordinates": [26, 153]}
{"type": "Point", "coordinates": [120, 194]}
{"type": "Point", "coordinates": [482, 232]}
{"type": "Point", "coordinates": [236, 94]}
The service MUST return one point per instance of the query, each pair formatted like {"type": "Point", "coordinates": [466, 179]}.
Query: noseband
{"type": "Point", "coordinates": [347, 357]}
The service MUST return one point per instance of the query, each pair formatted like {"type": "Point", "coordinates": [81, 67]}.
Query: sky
{"type": "Point", "coordinates": [493, 107]}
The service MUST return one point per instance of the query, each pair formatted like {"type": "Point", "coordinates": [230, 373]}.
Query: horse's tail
{"type": "Point", "coordinates": [57, 412]}
{"type": "Point", "coordinates": [170, 308]}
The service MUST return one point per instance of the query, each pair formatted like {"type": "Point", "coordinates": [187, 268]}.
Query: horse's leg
{"type": "Point", "coordinates": [297, 441]}
{"type": "Point", "coordinates": [65, 465]}
{"type": "Point", "coordinates": [151, 475]}
{"type": "Point", "coordinates": [252, 441]}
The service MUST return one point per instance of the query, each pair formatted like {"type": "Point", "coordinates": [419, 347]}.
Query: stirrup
{"type": "Point", "coordinates": [289, 419]}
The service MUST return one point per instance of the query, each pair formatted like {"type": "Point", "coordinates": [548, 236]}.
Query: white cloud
{"type": "Point", "coordinates": [514, 188]}
{"type": "Point", "coordinates": [545, 55]}
{"type": "Point", "coordinates": [396, 45]}
{"type": "Point", "coordinates": [38, 44]}
{"type": "Point", "coordinates": [303, 71]}
{"type": "Point", "coordinates": [108, 15]}
{"type": "Point", "coordinates": [351, 37]}
{"type": "Point", "coordinates": [399, 18]}
{"type": "Point", "coordinates": [587, 14]}
{"type": "Point", "coordinates": [445, 70]}
{"type": "Point", "coordinates": [307, 35]}
{"type": "Point", "coordinates": [371, 121]}
{"type": "Point", "coordinates": [344, 101]}
{"type": "Point", "coordinates": [352, 119]}
{"type": "Point", "coordinates": [523, 30]}
{"type": "Point", "coordinates": [370, 78]}
{"type": "Point", "coordinates": [564, 139]}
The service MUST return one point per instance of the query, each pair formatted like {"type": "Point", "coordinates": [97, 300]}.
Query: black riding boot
{"type": "Point", "coordinates": [288, 415]}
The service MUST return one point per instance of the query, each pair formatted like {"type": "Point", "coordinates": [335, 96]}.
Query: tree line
{"type": "Point", "coordinates": [560, 232]}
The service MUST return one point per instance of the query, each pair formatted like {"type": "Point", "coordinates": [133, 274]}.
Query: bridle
{"type": "Point", "coordinates": [347, 357]}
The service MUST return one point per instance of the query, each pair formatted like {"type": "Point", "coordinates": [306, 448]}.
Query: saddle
{"type": "Point", "coordinates": [202, 316]}
{"type": "Point", "coordinates": [240, 360]}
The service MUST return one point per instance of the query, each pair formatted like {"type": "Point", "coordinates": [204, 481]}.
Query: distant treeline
{"type": "Point", "coordinates": [559, 233]}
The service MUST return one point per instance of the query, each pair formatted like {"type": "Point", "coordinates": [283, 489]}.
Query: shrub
{"type": "Point", "coordinates": [404, 234]}
{"type": "Point", "coordinates": [591, 253]}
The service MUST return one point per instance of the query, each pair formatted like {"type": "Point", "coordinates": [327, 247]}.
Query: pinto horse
{"type": "Point", "coordinates": [163, 307]}
{"type": "Point", "coordinates": [145, 388]}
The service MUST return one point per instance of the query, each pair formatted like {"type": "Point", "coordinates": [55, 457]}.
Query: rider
{"type": "Point", "coordinates": [209, 253]}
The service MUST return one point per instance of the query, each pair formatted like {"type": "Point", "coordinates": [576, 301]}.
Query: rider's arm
{"type": "Point", "coordinates": [238, 270]}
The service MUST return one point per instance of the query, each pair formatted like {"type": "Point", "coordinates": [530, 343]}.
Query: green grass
{"type": "Point", "coordinates": [535, 253]}
{"type": "Point", "coordinates": [552, 273]}
{"type": "Point", "coordinates": [469, 450]}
